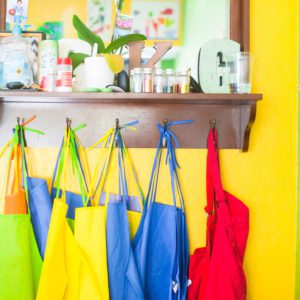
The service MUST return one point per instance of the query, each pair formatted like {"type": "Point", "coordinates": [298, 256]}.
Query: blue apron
{"type": "Point", "coordinates": [40, 205]}
{"type": "Point", "coordinates": [161, 245]}
{"type": "Point", "coordinates": [39, 201]}
{"type": "Point", "coordinates": [124, 281]}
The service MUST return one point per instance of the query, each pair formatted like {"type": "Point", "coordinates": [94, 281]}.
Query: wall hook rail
{"type": "Point", "coordinates": [235, 114]}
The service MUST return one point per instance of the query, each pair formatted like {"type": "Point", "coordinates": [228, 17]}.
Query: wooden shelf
{"type": "Point", "coordinates": [234, 114]}
{"type": "Point", "coordinates": [192, 98]}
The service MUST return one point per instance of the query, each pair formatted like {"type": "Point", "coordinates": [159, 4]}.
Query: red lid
{"type": "Point", "coordinates": [64, 61]}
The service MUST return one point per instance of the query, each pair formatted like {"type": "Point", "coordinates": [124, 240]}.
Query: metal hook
{"type": "Point", "coordinates": [213, 123]}
{"type": "Point", "coordinates": [23, 133]}
{"type": "Point", "coordinates": [117, 123]}
{"type": "Point", "coordinates": [117, 128]}
{"type": "Point", "coordinates": [68, 121]}
{"type": "Point", "coordinates": [165, 124]}
{"type": "Point", "coordinates": [213, 126]}
{"type": "Point", "coordinates": [164, 141]}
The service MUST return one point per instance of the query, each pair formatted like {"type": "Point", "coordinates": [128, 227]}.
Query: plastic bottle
{"type": "Point", "coordinates": [64, 75]}
{"type": "Point", "coordinates": [48, 60]}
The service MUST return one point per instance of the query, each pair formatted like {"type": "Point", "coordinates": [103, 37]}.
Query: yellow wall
{"type": "Point", "coordinates": [271, 163]}
{"type": "Point", "coordinates": [265, 177]}
{"type": "Point", "coordinates": [53, 10]}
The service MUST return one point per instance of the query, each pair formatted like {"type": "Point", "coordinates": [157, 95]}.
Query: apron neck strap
{"type": "Point", "coordinates": [215, 189]}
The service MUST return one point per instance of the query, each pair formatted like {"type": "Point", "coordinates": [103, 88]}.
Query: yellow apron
{"type": "Point", "coordinates": [90, 234]}
{"type": "Point", "coordinates": [75, 266]}
{"type": "Point", "coordinates": [66, 275]}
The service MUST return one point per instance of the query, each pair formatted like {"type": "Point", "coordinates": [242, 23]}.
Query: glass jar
{"type": "Point", "coordinates": [158, 81]}
{"type": "Point", "coordinates": [148, 79]}
{"type": "Point", "coordinates": [15, 58]}
{"type": "Point", "coordinates": [176, 86]}
{"type": "Point", "coordinates": [137, 80]}
{"type": "Point", "coordinates": [131, 80]}
{"type": "Point", "coordinates": [184, 82]}
{"type": "Point", "coordinates": [169, 82]}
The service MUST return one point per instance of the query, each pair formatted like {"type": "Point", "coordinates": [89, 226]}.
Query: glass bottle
{"type": "Point", "coordinates": [131, 80]}
{"type": "Point", "coordinates": [184, 81]}
{"type": "Point", "coordinates": [169, 82]}
{"type": "Point", "coordinates": [148, 79]}
{"type": "Point", "coordinates": [158, 81]}
{"type": "Point", "coordinates": [176, 85]}
{"type": "Point", "coordinates": [15, 57]}
{"type": "Point", "coordinates": [137, 85]}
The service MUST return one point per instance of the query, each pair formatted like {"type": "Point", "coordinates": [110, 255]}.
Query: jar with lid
{"type": "Point", "coordinates": [131, 80]}
{"type": "Point", "coordinates": [184, 82]}
{"type": "Point", "coordinates": [64, 75]}
{"type": "Point", "coordinates": [176, 86]}
{"type": "Point", "coordinates": [148, 79]}
{"type": "Point", "coordinates": [137, 80]}
{"type": "Point", "coordinates": [169, 81]}
{"type": "Point", "coordinates": [158, 81]}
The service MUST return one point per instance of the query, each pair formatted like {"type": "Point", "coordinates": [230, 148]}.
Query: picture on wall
{"type": "Point", "coordinates": [16, 11]}
{"type": "Point", "coordinates": [123, 25]}
{"type": "Point", "coordinates": [158, 20]}
{"type": "Point", "coordinates": [99, 18]}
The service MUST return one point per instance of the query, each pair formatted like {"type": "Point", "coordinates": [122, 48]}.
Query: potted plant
{"type": "Point", "coordinates": [106, 57]}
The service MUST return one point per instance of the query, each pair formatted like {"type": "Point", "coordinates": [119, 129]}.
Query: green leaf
{"type": "Point", "coordinates": [77, 59]}
{"type": "Point", "coordinates": [120, 6]}
{"type": "Point", "coordinates": [84, 33]}
{"type": "Point", "coordinates": [123, 40]}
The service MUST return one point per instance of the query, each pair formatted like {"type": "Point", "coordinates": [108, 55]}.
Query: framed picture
{"type": "Point", "coordinates": [158, 19]}
{"type": "Point", "coordinates": [34, 38]}
{"type": "Point", "coordinates": [16, 11]}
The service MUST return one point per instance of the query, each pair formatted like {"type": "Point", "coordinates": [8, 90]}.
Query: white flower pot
{"type": "Point", "coordinates": [97, 73]}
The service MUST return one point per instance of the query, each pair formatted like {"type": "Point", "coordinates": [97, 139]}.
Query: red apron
{"type": "Point", "coordinates": [216, 271]}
